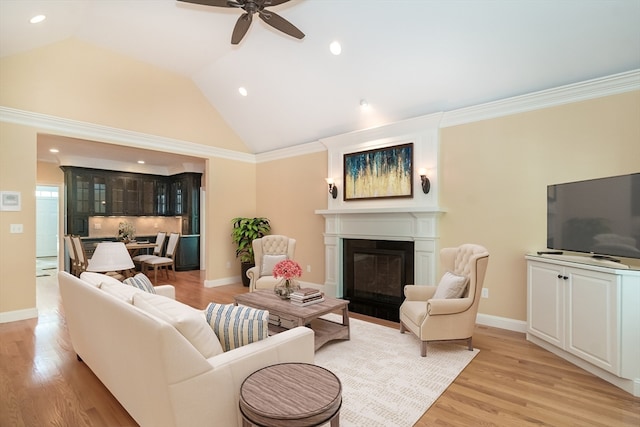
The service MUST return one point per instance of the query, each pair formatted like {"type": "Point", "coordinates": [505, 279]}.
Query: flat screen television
{"type": "Point", "coordinates": [597, 216]}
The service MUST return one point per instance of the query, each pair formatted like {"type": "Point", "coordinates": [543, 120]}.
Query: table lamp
{"type": "Point", "coordinates": [110, 256]}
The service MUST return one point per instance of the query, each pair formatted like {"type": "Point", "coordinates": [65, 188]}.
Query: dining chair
{"type": "Point", "coordinates": [81, 256]}
{"type": "Point", "coordinates": [166, 262]}
{"type": "Point", "coordinates": [157, 250]}
{"type": "Point", "coordinates": [71, 251]}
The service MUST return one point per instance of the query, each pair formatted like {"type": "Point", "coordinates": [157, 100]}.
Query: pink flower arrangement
{"type": "Point", "coordinates": [288, 269]}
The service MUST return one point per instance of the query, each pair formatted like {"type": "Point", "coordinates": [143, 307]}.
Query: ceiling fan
{"type": "Point", "coordinates": [251, 7]}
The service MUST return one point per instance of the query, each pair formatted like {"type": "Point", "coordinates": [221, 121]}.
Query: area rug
{"type": "Point", "coordinates": [384, 380]}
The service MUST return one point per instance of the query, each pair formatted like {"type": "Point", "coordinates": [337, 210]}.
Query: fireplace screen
{"type": "Point", "coordinates": [374, 274]}
{"type": "Point", "coordinates": [378, 274]}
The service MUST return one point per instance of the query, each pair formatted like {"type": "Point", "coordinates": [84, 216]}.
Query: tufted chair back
{"type": "Point", "coordinates": [273, 244]}
{"type": "Point", "coordinates": [462, 261]}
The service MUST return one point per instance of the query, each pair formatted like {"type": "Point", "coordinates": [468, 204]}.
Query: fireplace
{"type": "Point", "coordinates": [375, 272]}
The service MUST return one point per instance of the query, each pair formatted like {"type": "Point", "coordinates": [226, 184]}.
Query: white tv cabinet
{"type": "Point", "coordinates": [587, 312]}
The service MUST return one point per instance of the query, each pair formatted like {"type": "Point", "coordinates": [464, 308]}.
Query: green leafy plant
{"type": "Point", "coordinates": [245, 231]}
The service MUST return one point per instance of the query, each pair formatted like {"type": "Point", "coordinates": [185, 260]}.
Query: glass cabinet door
{"type": "Point", "coordinates": [99, 189]}
{"type": "Point", "coordinates": [116, 193]}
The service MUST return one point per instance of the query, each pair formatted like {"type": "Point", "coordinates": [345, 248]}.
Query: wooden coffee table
{"type": "Point", "coordinates": [291, 395]}
{"type": "Point", "coordinates": [289, 315]}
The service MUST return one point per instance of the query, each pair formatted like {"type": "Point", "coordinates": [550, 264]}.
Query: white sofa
{"type": "Point", "coordinates": [157, 375]}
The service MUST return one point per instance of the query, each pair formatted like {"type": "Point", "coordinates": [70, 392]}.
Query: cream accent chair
{"type": "Point", "coordinates": [273, 245]}
{"type": "Point", "coordinates": [446, 319]}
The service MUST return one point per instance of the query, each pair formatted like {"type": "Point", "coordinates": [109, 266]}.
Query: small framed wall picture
{"type": "Point", "coordinates": [10, 201]}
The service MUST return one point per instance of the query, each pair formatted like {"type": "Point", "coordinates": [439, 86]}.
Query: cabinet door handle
{"type": "Point", "coordinates": [559, 276]}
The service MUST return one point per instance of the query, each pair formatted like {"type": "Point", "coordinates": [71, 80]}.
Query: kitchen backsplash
{"type": "Point", "coordinates": [107, 226]}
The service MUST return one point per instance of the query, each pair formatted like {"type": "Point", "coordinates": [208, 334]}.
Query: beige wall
{"type": "Point", "coordinates": [288, 193]}
{"type": "Point", "coordinates": [494, 175]}
{"type": "Point", "coordinates": [231, 189]}
{"type": "Point", "coordinates": [75, 80]}
{"type": "Point", "coordinates": [18, 251]}
{"type": "Point", "coordinates": [49, 173]}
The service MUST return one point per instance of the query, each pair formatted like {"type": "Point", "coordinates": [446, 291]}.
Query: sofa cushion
{"type": "Point", "coordinates": [96, 279]}
{"type": "Point", "coordinates": [120, 290]}
{"type": "Point", "coordinates": [268, 262]}
{"type": "Point", "coordinates": [451, 286]}
{"type": "Point", "coordinates": [187, 320]}
{"type": "Point", "coordinates": [238, 325]}
{"type": "Point", "coordinates": [140, 281]}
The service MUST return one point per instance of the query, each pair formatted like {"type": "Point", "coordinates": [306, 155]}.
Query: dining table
{"type": "Point", "coordinates": [135, 247]}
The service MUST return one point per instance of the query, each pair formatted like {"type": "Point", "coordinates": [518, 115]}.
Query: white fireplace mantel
{"type": "Point", "coordinates": [419, 225]}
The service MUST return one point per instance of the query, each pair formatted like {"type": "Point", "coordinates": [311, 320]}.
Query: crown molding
{"type": "Point", "coordinates": [589, 89]}
{"type": "Point", "coordinates": [297, 150]}
{"type": "Point", "coordinates": [95, 132]}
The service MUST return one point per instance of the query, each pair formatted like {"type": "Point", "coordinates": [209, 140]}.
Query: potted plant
{"type": "Point", "coordinates": [245, 231]}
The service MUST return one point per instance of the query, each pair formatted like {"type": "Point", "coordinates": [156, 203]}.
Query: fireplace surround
{"type": "Point", "coordinates": [419, 227]}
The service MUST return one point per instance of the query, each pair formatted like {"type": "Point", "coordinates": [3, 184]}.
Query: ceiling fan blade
{"type": "Point", "coordinates": [217, 3]}
{"type": "Point", "coordinates": [242, 25]}
{"type": "Point", "coordinates": [268, 3]}
{"type": "Point", "coordinates": [279, 23]}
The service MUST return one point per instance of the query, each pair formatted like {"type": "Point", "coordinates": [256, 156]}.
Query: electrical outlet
{"type": "Point", "coordinates": [228, 264]}
{"type": "Point", "coordinates": [97, 226]}
{"type": "Point", "coordinates": [308, 268]}
{"type": "Point", "coordinates": [16, 228]}
{"type": "Point", "coordinates": [485, 293]}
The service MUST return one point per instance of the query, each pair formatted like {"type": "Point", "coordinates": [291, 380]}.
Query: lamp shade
{"type": "Point", "coordinates": [110, 256]}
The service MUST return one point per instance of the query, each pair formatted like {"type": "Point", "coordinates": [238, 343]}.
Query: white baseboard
{"type": "Point", "coordinates": [222, 282]}
{"type": "Point", "coordinates": [14, 316]}
{"type": "Point", "coordinates": [501, 322]}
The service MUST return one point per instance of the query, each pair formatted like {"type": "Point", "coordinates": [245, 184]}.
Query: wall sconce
{"type": "Point", "coordinates": [426, 184]}
{"type": "Point", "coordinates": [333, 190]}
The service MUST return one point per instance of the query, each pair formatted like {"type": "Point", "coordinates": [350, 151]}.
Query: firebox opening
{"type": "Point", "coordinates": [375, 272]}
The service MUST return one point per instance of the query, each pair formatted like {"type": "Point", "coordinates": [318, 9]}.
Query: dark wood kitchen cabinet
{"type": "Point", "coordinates": [97, 192]}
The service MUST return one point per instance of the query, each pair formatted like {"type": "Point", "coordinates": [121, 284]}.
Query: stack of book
{"type": "Point", "coordinates": [306, 296]}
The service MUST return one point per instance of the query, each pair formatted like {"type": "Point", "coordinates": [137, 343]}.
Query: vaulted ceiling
{"type": "Point", "coordinates": [406, 58]}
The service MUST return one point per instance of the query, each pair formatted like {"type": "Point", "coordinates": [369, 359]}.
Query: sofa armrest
{"type": "Point", "coordinates": [419, 293]}
{"type": "Point", "coordinates": [448, 306]}
{"type": "Point", "coordinates": [168, 291]}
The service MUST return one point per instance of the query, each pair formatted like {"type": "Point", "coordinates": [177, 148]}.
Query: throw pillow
{"type": "Point", "coordinates": [187, 320]}
{"type": "Point", "coordinates": [268, 262]}
{"type": "Point", "coordinates": [120, 290]}
{"type": "Point", "coordinates": [96, 279]}
{"type": "Point", "coordinates": [141, 282]}
{"type": "Point", "coordinates": [237, 325]}
{"type": "Point", "coordinates": [451, 286]}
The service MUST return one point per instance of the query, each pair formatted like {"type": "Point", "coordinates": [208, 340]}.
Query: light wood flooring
{"type": "Point", "coordinates": [510, 383]}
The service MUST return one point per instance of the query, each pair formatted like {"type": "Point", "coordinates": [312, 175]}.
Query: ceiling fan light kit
{"type": "Point", "coordinates": [250, 8]}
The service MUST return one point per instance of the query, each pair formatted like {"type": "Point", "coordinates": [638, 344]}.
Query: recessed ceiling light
{"type": "Point", "coordinates": [243, 91]}
{"type": "Point", "coordinates": [364, 104]}
{"type": "Point", "coordinates": [335, 48]}
{"type": "Point", "coordinates": [141, 162]}
{"type": "Point", "coordinates": [37, 19]}
{"type": "Point", "coordinates": [54, 150]}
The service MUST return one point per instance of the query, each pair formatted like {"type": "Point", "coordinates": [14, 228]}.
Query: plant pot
{"type": "Point", "coordinates": [245, 266]}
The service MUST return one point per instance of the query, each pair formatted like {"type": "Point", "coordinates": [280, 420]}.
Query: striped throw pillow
{"type": "Point", "coordinates": [237, 325]}
{"type": "Point", "coordinates": [141, 282]}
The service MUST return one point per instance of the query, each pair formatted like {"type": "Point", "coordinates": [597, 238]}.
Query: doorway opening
{"type": "Point", "coordinates": [47, 238]}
